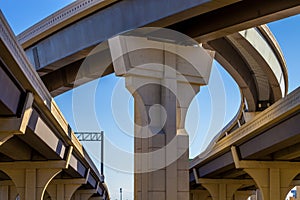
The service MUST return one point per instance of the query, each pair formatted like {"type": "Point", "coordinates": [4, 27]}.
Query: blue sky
{"type": "Point", "coordinates": [201, 121]}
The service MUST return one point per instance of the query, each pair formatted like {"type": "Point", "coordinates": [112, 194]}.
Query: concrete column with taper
{"type": "Point", "coordinates": [163, 78]}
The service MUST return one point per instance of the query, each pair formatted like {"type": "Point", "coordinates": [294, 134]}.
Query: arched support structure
{"type": "Point", "coordinates": [63, 189]}
{"type": "Point", "coordinates": [32, 178]}
{"type": "Point", "coordinates": [220, 189]}
{"type": "Point", "coordinates": [274, 178]}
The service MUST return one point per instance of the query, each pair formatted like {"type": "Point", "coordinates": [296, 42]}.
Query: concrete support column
{"type": "Point", "coordinates": [161, 170]}
{"type": "Point", "coordinates": [32, 178]}
{"type": "Point", "coordinates": [273, 178]}
{"type": "Point", "coordinates": [163, 78]}
{"type": "Point", "coordinates": [199, 195]}
{"type": "Point", "coordinates": [63, 189]}
{"type": "Point", "coordinates": [162, 161]}
{"type": "Point", "coordinates": [274, 183]}
{"type": "Point", "coordinates": [8, 190]}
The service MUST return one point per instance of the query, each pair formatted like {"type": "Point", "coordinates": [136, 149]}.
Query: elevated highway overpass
{"type": "Point", "coordinates": [251, 55]}
{"type": "Point", "coordinates": [261, 154]}
{"type": "Point", "coordinates": [42, 42]}
{"type": "Point", "coordinates": [40, 156]}
{"type": "Point", "coordinates": [262, 79]}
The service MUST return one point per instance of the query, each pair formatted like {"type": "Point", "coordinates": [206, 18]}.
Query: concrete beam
{"type": "Point", "coordinates": [283, 135]}
{"type": "Point", "coordinates": [236, 66]}
{"type": "Point", "coordinates": [288, 153]}
{"type": "Point", "coordinates": [247, 14]}
{"type": "Point", "coordinates": [216, 165]}
{"type": "Point", "coordinates": [18, 125]}
{"type": "Point", "coordinates": [165, 12]}
{"type": "Point", "coordinates": [10, 94]}
{"type": "Point", "coordinates": [207, 12]}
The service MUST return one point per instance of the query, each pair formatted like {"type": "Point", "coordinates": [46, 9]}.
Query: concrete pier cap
{"type": "Point", "coordinates": [144, 48]}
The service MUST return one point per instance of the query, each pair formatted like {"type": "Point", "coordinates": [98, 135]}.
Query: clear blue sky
{"type": "Point", "coordinates": [201, 125]}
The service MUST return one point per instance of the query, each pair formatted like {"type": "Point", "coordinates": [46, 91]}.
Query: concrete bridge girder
{"type": "Point", "coordinates": [253, 62]}
{"type": "Point", "coordinates": [249, 83]}
{"type": "Point", "coordinates": [68, 59]}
